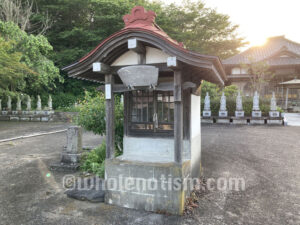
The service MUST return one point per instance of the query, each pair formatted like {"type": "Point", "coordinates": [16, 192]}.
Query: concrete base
{"type": "Point", "coordinates": [275, 121]}
{"type": "Point", "coordinates": [70, 158]}
{"type": "Point", "coordinates": [256, 114]}
{"type": "Point", "coordinates": [223, 113]}
{"type": "Point", "coordinates": [223, 120]}
{"type": "Point", "coordinates": [206, 114]}
{"type": "Point", "coordinates": [257, 121]}
{"type": "Point", "coordinates": [239, 120]}
{"type": "Point", "coordinates": [64, 167]}
{"type": "Point", "coordinates": [207, 120]}
{"type": "Point", "coordinates": [139, 185]}
{"type": "Point", "coordinates": [239, 114]}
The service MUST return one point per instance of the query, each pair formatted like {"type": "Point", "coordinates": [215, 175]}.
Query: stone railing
{"type": "Point", "coordinates": [256, 117]}
{"type": "Point", "coordinates": [39, 114]}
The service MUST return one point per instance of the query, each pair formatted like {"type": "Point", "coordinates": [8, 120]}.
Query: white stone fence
{"type": "Point", "coordinates": [256, 117]}
{"type": "Point", "coordinates": [17, 114]}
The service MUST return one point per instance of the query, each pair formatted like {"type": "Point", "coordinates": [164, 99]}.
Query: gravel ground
{"type": "Point", "coordinates": [268, 158]}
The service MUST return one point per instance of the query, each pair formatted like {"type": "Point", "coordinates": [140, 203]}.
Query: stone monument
{"type": "Point", "coordinates": [239, 112]}
{"type": "Point", "coordinates": [207, 111]}
{"type": "Point", "coordinates": [71, 154]}
{"type": "Point", "coordinates": [50, 103]}
{"type": "Point", "coordinates": [28, 104]}
{"type": "Point", "coordinates": [273, 107]}
{"type": "Point", "coordinates": [8, 107]}
{"type": "Point", "coordinates": [19, 102]}
{"type": "Point", "coordinates": [255, 109]}
{"type": "Point", "coordinates": [39, 104]}
{"type": "Point", "coordinates": [223, 111]}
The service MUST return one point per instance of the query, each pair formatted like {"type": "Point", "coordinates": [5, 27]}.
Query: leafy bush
{"type": "Point", "coordinates": [92, 116]}
{"type": "Point", "coordinates": [93, 161]}
{"type": "Point", "coordinates": [63, 100]}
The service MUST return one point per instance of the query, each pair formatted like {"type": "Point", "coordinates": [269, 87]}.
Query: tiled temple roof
{"type": "Point", "coordinates": [274, 46]}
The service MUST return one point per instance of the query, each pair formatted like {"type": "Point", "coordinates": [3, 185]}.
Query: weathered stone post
{"type": "Point", "coordinates": [0, 104]}
{"type": "Point", "coordinates": [206, 111]}
{"type": "Point", "coordinates": [71, 154]}
{"type": "Point", "coordinates": [74, 145]}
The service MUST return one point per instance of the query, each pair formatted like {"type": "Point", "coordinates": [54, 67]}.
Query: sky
{"type": "Point", "coordinates": [260, 19]}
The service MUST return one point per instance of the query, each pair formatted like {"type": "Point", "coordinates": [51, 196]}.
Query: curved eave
{"type": "Point", "coordinates": [115, 45]}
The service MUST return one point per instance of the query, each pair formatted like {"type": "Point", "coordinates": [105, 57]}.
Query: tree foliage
{"type": "Point", "coordinates": [92, 116]}
{"type": "Point", "coordinates": [34, 72]}
{"type": "Point", "coordinates": [12, 70]}
{"type": "Point", "coordinates": [80, 25]}
{"type": "Point", "coordinates": [259, 74]}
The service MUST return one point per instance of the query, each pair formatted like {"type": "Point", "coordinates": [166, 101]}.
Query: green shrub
{"type": "Point", "coordinates": [92, 116]}
{"type": "Point", "coordinates": [94, 161]}
{"type": "Point", "coordinates": [63, 100]}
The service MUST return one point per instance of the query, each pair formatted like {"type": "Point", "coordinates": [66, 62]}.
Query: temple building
{"type": "Point", "coordinates": [160, 81]}
{"type": "Point", "coordinates": [282, 56]}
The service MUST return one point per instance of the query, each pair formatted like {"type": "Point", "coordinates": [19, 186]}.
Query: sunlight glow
{"type": "Point", "coordinates": [260, 19]}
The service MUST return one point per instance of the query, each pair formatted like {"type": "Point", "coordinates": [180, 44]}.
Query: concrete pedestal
{"type": "Point", "coordinates": [206, 114]}
{"type": "Point", "coordinates": [257, 121]}
{"type": "Point", "coordinates": [207, 120]}
{"type": "Point", "coordinates": [222, 120]}
{"type": "Point", "coordinates": [223, 113]}
{"type": "Point", "coordinates": [256, 114]}
{"type": "Point", "coordinates": [147, 186]}
{"type": "Point", "coordinates": [274, 114]}
{"type": "Point", "coordinates": [275, 121]}
{"type": "Point", "coordinates": [239, 114]}
{"type": "Point", "coordinates": [239, 120]}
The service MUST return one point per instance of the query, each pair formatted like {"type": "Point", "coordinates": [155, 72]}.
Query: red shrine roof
{"type": "Point", "coordinates": [141, 24]}
{"type": "Point", "coordinates": [142, 20]}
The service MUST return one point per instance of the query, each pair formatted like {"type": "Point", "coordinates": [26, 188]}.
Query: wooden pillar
{"type": "Point", "coordinates": [109, 115]}
{"type": "Point", "coordinates": [286, 98]}
{"type": "Point", "coordinates": [178, 117]}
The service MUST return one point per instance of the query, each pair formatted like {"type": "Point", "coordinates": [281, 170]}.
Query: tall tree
{"type": "Point", "coordinates": [79, 25]}
{"type": "Point", "coordinates": [32, 51]}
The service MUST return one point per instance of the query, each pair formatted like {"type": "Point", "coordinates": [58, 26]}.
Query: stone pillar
{"type": "Point", "coordinates": [74, 145]}
{"type": "Point", "coordinates": [0, 104]}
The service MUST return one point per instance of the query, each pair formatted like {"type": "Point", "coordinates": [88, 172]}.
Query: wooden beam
{"type": "Point", "coordinates": [139, 48]}
{"type": "Point", "coordinates": [102, 68]}
{"type": "Point", "coordinates": [109, 116]}
{"type": "Point", "coordinates": [178, 117]}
